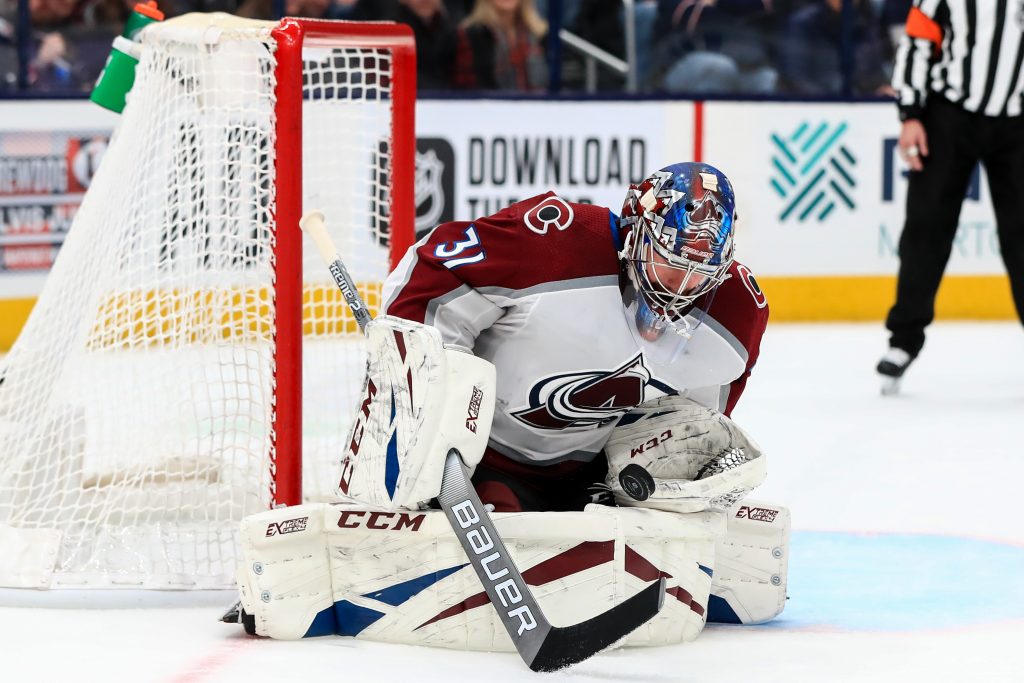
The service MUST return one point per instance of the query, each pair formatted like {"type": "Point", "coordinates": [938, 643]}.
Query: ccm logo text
{"type": "Point", "coordinates": [650, 443]}
{"type": "Point", "coordinates": [381, 521]}
{"type": "Point", "coordinates": [362, 415]}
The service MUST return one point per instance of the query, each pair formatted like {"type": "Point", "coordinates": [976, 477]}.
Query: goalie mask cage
{"type": "Point", "coordinates": [185, 359]}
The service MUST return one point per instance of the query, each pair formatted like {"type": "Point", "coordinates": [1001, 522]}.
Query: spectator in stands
{"type": "Point", "coordinates": [434, 29]}
{"type": "Point", "coordinates": [599, 22]}
{"type": "Point", "coordinates": [312, 9]}
{"type": "Point", "coordinates": [110, 14]}
{"type": "Point", "coordinates": [186, 6]}
{"type": "Point", "coordinates": [255, 9]}
{"type": "Point", "coordinates": [342, 9]}
{"type": "Point", "coordinates": [499, 46]}
{"type": "Point", "coordinates": [810, 58]}
{"type": "Point", "coordinates": [8, 49]}
{"type": "Point", "coordinates": [892, 14]}
{"type": "Point", "coordinates": [54, 65]}
{"type": "Point", "coordinates": [715, 46]}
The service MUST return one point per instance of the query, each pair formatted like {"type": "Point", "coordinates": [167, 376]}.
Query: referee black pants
{"type": "Point", "coordinates": [957, 141]}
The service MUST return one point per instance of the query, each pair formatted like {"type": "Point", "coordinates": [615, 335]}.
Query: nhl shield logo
{"type": "Point", "coordinates": [429, 195]}
{"type": "Point", "coordinates": [435, 183]}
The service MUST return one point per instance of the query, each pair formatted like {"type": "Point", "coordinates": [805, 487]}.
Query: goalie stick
{"type": "Point", "coordinates": [542, 646]}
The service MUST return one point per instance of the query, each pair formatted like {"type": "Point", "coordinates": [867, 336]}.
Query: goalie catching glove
{"type": "Point", "coordinates": [679, 456]}
{"type": "Point", "coordinates": [419, 400]}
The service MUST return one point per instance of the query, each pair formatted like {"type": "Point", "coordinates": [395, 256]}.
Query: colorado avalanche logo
{"type": "Point", "coordinates": [585, 399]}
{"type": "Point", "coordinates": [553, 212]}
{"type": "Point", "coordinates": [705, 220]}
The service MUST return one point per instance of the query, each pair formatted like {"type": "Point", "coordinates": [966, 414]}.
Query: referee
{"type": "Point", "coordinates": [959, 80]}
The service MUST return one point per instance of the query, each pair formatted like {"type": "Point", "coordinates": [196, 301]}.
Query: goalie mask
{"type": "Point", "coordinates": [677, 245]}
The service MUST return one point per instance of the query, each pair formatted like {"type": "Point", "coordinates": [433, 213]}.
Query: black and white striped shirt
{"type": "Point", "coordinates": [967, 51]}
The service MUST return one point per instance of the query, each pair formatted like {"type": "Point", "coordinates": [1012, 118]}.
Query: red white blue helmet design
{"type": "Point", "coordinates": [678, 229]}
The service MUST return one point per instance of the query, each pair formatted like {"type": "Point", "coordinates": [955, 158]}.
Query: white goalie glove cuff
{"type": "Point", "coordinates": [681, 456]}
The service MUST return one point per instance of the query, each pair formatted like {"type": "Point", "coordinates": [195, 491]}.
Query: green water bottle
{"type": "Point", "coordinates": [118, 75]}
{"type": "Point", "coordinates": [144, 14]}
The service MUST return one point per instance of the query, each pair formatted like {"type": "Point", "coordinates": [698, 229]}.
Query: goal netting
{"type": "Point", "coordinates": [185, 356]}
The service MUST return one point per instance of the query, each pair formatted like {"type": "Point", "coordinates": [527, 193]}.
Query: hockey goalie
{"type": "Point", "coordinates": [584, 365]}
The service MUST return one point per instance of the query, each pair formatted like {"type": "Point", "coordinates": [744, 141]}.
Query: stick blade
{"type": "Point", "coordinates": [570, 645]}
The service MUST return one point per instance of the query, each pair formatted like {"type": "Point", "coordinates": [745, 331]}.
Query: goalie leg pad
{"type": "Point", "coordinates": [751, 564]}
{"type": "Point", "coordinates": [284, 577]}
{"type": "Point", "coordinates": [404, 577]}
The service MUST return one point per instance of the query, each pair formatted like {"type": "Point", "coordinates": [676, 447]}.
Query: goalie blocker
{"type": "Point", "coordinates": [420, 399]}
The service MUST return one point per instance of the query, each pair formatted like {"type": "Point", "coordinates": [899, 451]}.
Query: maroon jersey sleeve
{"type": "Point", "coordinates": [742, 308]}
{"type": "Point", "coordinates": [463, 275]}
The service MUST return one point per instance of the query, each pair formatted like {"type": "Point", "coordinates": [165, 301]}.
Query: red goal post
{"type": "Point", "coordinates": [291, 36]}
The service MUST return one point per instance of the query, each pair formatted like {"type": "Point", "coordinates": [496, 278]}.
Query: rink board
{"type": "Point", "coordinates": [820, 188]}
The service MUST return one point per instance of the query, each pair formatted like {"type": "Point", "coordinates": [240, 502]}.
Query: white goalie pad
{"type": "Point", "coordinates": [284, 577]}
{"type": "Point", "coordinates": [681, 456]}
{"type": "Point", "coordinates": [402, 576]}
{"type": "Point", "coordinates": [419, 400]}
{"type": "Point", "coordinates": [751, 564]}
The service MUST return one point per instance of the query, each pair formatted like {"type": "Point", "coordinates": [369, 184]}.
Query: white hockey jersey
{"type": "Point", "coordinates": [535, 290]}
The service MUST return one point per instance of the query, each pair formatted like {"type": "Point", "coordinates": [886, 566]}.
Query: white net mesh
{"type": "Point", "coordinates": [347, 94]}
{"type": "Point", "coordinates": [136, 408]}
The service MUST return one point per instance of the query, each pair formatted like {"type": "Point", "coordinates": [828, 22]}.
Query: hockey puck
{"type": "Point", "coordinates": [636, 482]}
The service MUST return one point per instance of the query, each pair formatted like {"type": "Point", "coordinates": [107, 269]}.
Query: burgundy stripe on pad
{"type": "Point", "coordinates": [576, 559]}
{"type": "Point", "coordinates": [400, 340]}
{"type": "Point", "coordinates": [640, 567]}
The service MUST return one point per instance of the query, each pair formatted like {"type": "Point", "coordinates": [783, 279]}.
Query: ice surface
{"type": "Point", "coordinates": [907, 560]}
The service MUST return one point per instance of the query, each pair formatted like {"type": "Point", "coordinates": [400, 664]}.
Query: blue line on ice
{"type": "Point", "coordinates": [900, 582]}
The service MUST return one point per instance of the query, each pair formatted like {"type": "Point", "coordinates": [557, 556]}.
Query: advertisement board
{"type": "Point", "coordinates": [476, 157]}
{"type": "Point", "coordinates": [820, 188]}
{"type": "Point", "coordinates": [49, 152]}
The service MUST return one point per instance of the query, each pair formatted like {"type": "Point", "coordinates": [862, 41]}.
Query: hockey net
{"type": "Point", "coordinates": [185, 356]}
